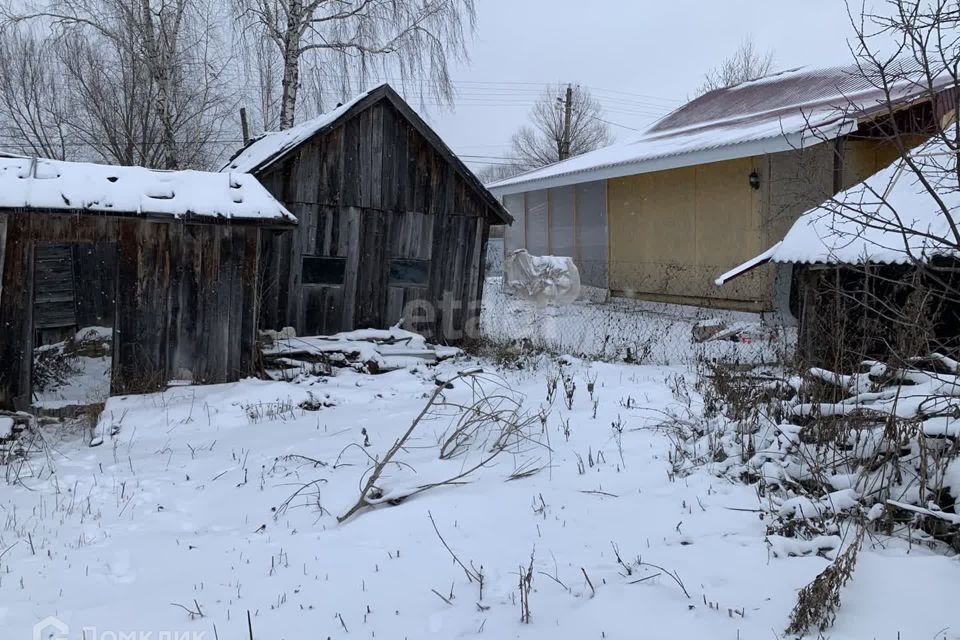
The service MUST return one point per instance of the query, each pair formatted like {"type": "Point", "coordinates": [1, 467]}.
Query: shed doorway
{"type": "Point", "coordinates": [74, 300]}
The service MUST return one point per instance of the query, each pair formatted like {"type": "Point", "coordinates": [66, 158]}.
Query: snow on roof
{"type": "Point", "coordinates": [890, 218]}
{"type": "Point", "coordinates": [779, 112]}
{"type": "Point", "coordinates": [272, 145]}
{"type": "Point", "coordinates": [79, 186]}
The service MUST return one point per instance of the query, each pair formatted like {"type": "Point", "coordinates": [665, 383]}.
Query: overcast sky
{"type": "Point", "coordinates": [641, 57]}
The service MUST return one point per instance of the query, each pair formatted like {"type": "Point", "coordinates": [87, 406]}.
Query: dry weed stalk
{"type": "Point", "coordinates": [818, 602]}
{"type": "Point", "coordinates": [526, 583]}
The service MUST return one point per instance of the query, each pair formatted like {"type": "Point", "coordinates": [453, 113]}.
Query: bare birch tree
{"type": "Point", "coordinates": [746, 63]}
{"type": "Point", "coordinates": [33, 101]}
{"type": "Point", "coordinates": [147, 81]}
{"type": "Point", "coordinates": [358, 41]}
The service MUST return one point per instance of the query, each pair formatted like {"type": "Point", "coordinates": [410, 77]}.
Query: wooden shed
{"type": "Point", "coordinates": [392, 224]}
{"type": "Point", "coordinates": [180, 250]}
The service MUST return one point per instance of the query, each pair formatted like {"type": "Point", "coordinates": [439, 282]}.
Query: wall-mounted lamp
{"type": "Point", "coordinates": [755, 180]}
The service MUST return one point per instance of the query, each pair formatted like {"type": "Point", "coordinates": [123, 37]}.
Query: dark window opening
{"type": "Point", "coordinates": [320, 270]}
{"type": "Point", "coordinates": [409, 273]}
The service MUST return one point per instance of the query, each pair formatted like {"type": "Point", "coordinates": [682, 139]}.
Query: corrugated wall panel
{"type": "Point", "coordinates": [514, 236]}
{"type": "Point", "coordinates": [562, 232]}
{"type": "Point", "coordinates": [591, 232]}
{"type": "Point", "coordinates": [537, 234]}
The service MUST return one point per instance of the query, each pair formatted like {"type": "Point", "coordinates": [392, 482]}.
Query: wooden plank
{"type": "Point", "coordinates": [393, 137]}
{"type": "Point", "coordinates": [330, 171]}
{"type": "Point", "coordinates": [178, 353]}
{"type": "Point", "coordinates": [474, 284]}
{"type": "Point", "coordinates": [395, 304]}
{"type": "Point", "coordinates": [351, 163]}
{"type": "Point", "coordinates": [249, 302]}
{"type": "Point", "coordinates": [323, 309]}
{"type": "Point", "coordinates": [351, 219]}
{"type": "Point", "coordinates": [373, 181]}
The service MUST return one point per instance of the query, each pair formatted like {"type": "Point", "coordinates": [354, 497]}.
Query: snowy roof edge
{"type": "Point", "coordinates": [749, 265]}
{"type": "Point", "coordinates": [744, 149]}
{"type": "Point", "coordinates": [40, 185]}
{"type": "Point", "coordinates": [247, 160]}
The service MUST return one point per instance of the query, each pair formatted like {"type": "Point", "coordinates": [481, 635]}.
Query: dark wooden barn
{"type": "Point", "coordinates": [392, 224]}
{"type": "Point", "coordinates": [167, 259]}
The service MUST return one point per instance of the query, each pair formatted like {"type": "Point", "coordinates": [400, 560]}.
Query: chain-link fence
{"type": "Point", "coordinates": [622, 329]}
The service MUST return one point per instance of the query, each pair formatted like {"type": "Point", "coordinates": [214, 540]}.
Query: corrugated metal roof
{"type": "Point", "coordinates": [776, 113]}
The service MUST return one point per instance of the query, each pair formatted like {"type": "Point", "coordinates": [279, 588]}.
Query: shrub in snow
{"type": "Point", "coordinates": [880, 447]}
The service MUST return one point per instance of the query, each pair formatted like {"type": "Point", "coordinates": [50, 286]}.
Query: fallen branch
{"type": "Point", "coordinates": [952, 518]}
{"type": "Point", "coordinates": [471, 576]}
{"type": "Point", "coordinates": [509, 430]}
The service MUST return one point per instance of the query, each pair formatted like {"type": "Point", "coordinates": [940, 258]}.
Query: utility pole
{"type": "Point", "coordinates": [244, 127]}
{"type": "Point", "coordinates": [567, 111]}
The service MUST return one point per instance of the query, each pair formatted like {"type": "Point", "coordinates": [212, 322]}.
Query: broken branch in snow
{"type": "Point", "coordinates": [471, 574]}
{"type": "Point", "coordinates": [193, 613]}
{"type": "Point", "coordinates": [593, 591]}
{"type": "Point", "coordinates": [952, 518]}
{"type": "Point", "coordinates": [507, 428]}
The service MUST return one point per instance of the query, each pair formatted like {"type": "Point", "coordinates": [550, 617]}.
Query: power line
{"type": "Point", "coordinates": [615, 124]}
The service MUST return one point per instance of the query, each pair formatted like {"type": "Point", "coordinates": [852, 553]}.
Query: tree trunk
{"type": "Point", "coordinates": [158, 64]}
{"type": "Point", "coordinates": [291, 63]}
{"type": "Point", "coordinates": [288, 99]}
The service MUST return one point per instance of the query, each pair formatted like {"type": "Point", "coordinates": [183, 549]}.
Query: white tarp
{"type": "Point", "coordinates": [541, 279]}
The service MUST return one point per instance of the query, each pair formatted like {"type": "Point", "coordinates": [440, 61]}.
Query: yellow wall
{"type": "Point", "coordinates": [863, 158]}
{"type": "Point", "coordinates": [673, 232]}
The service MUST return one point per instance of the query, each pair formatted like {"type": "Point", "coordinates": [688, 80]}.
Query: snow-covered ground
{"type": "Point", "coordinates": [177, 524]}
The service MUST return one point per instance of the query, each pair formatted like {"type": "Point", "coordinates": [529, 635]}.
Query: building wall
{"type": "Point", "coordinates": [566, 221]}
{"type": "Point", "coordinates": [388, 231]}
{"type": "Point", "coordinates": [667, 235]}
{"type": "Point", "coordinates": [672, 232]}
{"type": "Point", "coordinates": [186, 298]}
{"type": "Point", "coordinates": [864, 157]}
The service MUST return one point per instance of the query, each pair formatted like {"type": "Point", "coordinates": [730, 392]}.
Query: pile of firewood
{"type": "Point", "coordinates": [286, 356]}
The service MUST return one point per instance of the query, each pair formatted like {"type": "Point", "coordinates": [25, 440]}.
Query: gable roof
{"type": "Point", "coordinates": [889, 218]}
{"type": "Point", "coordinates": [273, 146]}
{"type": "Point", "coordinates": [780, 112]}
{"type": "Point", "coordinates": [83, 187]}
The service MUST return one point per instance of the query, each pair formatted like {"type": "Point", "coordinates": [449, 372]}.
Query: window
{"type": "Point", "coordinates": [321, 270]}
{"type": "Point", "coordinates": [409, 273]}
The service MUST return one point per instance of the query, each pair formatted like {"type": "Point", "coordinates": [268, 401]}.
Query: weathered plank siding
{"type": "Point", "coordinates": [372, 190]}
{"type": "Point", "coordinates": [185, 297]}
